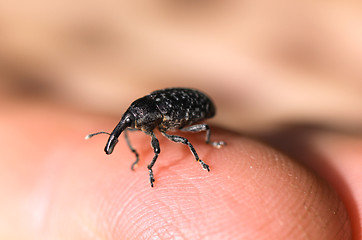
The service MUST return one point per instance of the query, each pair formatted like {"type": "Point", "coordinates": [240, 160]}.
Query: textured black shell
{"type": "Point", "coordinates": [182, 106]}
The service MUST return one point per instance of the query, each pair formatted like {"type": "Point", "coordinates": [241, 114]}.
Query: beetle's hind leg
{"type": "Point", "coordinates": [183, 140]}
{"type": "Point", "coordinates": [131, 148]}
{"type": "Point", "coordinates": [204, 127]}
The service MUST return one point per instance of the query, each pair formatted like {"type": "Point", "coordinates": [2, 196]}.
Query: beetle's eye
{"type": "Point", "coordinates": [128, 122]}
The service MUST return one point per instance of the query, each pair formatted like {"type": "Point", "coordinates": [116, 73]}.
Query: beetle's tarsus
{"type": "Point", "coordinates": [204, 165]}
{"type": "Point", "coordinates": [152, 179]}
{"type": "Point", "coordinates": [134, 165]}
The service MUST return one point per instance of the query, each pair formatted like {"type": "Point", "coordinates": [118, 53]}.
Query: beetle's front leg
{"type": "Point", "coordinates": [156, 148]}
{"type": "Point", "coordinates": [131, 147]}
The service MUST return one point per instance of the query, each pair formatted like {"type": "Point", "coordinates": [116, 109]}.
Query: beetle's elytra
{"type": "Point", "coordinates": [166, 109]}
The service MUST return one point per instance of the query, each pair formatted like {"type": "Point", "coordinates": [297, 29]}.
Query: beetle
{"type": "Point", "coordinates": [165, 109]}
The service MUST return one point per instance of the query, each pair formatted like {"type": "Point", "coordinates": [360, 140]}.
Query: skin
{"type": "Point", "coordinates": [69, 189]}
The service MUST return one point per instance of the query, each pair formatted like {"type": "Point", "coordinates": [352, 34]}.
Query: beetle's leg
{"type": "Point", "coordinates": [130, 147]}
{"type": "Point", "coordinates": [156, 148]}
{"type": "Point", "coordinates": [204, 127]}
{"type": "Point", "coordinates": [183, 140]}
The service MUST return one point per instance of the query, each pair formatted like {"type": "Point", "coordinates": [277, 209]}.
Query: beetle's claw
{"type": "Point", "coordinates": [204, 165]}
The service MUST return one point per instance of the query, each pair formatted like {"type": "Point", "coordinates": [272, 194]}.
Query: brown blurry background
{"type": "Point", "coordinates": [265, 63]}
{"type": "Point", "coordinates": [67, 68]}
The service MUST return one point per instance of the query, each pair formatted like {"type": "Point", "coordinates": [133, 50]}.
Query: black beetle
{"type": "Point", "coordinates": [166, 109]}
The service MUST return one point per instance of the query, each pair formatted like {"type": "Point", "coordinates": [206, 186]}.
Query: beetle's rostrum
{"type": "Point", "coordinates": [166, 109]}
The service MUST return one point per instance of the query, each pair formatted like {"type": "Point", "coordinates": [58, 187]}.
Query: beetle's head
{"type": "Point", "coordinates": [126, 121]}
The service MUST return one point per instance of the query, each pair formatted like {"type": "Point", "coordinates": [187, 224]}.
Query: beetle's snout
{"type": "Point", "coordinates": [111, 143]}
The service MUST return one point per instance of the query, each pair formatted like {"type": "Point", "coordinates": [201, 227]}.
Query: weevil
{"type": "Point", "coordinates": [166, 109]}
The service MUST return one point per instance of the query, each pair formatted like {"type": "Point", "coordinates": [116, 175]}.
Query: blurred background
{"type": "Point", "coordinates": [266, 64]}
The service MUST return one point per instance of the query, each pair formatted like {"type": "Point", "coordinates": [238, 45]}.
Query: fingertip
{"type": "Point", "coordinates": [250, 188]}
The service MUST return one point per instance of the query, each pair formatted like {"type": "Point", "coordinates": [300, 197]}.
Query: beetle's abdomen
{"type": "Point", "coordinates": [181, 106]}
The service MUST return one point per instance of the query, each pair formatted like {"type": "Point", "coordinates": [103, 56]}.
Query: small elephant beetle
{"type": "Point", "coordinates": [166, 109]}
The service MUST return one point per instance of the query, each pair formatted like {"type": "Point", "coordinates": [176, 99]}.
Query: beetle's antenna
{"type": "Point", "coordinates": [93, 134]}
